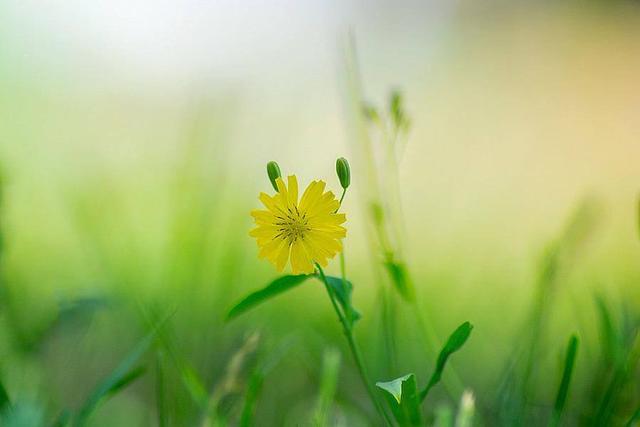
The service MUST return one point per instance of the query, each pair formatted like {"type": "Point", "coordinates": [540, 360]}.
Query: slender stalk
{"type": "Point", "coordinates": [344, 192]}
{"type": "Point", "coordinates": [348, 332]}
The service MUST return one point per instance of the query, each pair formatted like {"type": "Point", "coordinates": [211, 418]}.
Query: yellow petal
{"type": "Point", "coordinates": [264, 231]}
{"type": "Point", "coordinates": [268, 250]}
{"type": "Point", "coordinates": [283, 256]}
{"type": "Point", "coordinates": [315, 253]}
{"type": "Point", "coordinates": [321, 239]}
{"type": "Point", "coordinates": [282, 188]}
{"type": "Point", "coordinates": [293, 190]}
{"type": "Point", "coordinates": [270, 203]}
{"type": "Point", "coordinates": [311, 195]}
{"type": "Point", "coordinates": [300, 262]}
{"type": "Point", "coordinates": [327, 219]}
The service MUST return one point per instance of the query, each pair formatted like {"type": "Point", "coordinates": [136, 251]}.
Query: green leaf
{"type": "Point", "coordinates": [398, 273]}
{"type": "Point", "coordinates": [343, 290]}
{"type": "Point", "coordinates": [4, 398]}
{"type": "Point", "coordinates": [454, 343]}
{"type": "Point", "coordinates": [402, 396]}
{"type": "Point", "coordinates": [563, 390]}
{"type": "Point", "coordinates": [254, 387]}
{"type": "Point", "coordinates": [278, 286]}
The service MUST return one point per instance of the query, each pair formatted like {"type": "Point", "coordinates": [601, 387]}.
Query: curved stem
{"type": "Point", "coordinates": [344, 192]}
{"type": "Point", "coordinates": [348, 332]}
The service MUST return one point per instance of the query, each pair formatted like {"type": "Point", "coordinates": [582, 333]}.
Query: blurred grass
{"type": "Point", "coordinates": [116, 213]}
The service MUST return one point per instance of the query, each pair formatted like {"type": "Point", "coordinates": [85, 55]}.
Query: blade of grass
{"type": "Point", "coordinates": [278, 286]}
{"type": "Point", "coordinates": [609, 335]}
{"type": "Point", "coordinates": [4, 398]}
{"type": "Point", "coordinates": [563, 390]}
{"type": "Point", "coordinates": [253, 390]}
{"type": "Point", "coordinates": [124, 374]}
{"type": "Point", "coordinates": [328, 384]}
{"type": "Point", "coordinates": [160, 390]}
{"type": "Point", "coordinates": [118, 380]}
{"type": "Point", "coordinates": [621, 375]}
{"type": "Point", "coordinates": [263, 367]}
{"type": "Point", "coordinates": [634, 420]}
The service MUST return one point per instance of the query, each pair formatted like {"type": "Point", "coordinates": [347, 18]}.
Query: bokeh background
{"type": "Point", "coordinates": [133, 140]}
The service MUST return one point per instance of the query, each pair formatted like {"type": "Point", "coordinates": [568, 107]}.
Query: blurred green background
{"type": "Point", "coordinates": [133, 140]}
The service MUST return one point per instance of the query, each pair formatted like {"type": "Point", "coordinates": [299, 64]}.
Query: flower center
{"type": "Point", "coordinates": [293, 225]}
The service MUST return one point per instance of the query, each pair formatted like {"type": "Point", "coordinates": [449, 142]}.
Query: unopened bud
{"type": "Point", "coordinates": [273, 170]}
{"type": "Point", "coordinates": [344, 172]}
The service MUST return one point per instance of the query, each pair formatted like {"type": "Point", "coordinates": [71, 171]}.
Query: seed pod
{"type": "Point", "coordinates": [344, 172]}
{"type": "Point", "coordinates": [273, 171]}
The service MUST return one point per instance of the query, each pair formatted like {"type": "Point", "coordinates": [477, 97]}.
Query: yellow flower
{"type": "Point", "coordinates": [307, 231]}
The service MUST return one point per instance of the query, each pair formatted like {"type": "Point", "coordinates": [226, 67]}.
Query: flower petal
{"type": "Point", "coordinates": [300, 262]}
{"type": "Point", "coordinates": [293, 190]}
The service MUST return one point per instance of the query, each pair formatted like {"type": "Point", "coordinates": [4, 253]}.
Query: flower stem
{"type": "Point", "coordinates": [348, 332]}
{"type": "Point", "coordinates": [344, 192]}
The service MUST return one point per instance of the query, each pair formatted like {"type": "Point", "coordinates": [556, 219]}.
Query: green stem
{"type": "Point", "coordinates": [348, 332]}
{"type": "Point", "coordinates": [344, 192]}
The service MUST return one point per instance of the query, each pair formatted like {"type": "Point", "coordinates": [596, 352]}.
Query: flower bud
{"type": "Point", "coordinates": [344, 172]}
{"type": "Point", "coordinates": [273, 171]}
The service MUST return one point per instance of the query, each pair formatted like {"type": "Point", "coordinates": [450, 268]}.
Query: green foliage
{"type": "Point", "coordinates": [634, 420]}
{"type": "Point", "coordinates": [563, 389]}
{"type": "Point", "coordinates": [123, 375]}
{"type": "Point", "coordinates": [621, 351]}
{"type": "Point", "coordinates": [397, 113]}
{"type": "Point", "coordinates": [161, 407]}
{"type": "Point", "coordinates": [5, 402]}
{"type": "Point", "coordinates": [343, 290]}
{"type": "Point", "coordinates": [328, 385]}
{"type": "Point", "coordinates": [454, 343]}
{"type": "Point", "coordinates": [253, 390]}
{"type": "Point", "coordinates": [278, 286]}
{"type": "Point", "coordinates": [400, 279]}
{"type": "Point", "coordinates": [265, 364]}
{"type": "Point", "coordinates": [401, 395]}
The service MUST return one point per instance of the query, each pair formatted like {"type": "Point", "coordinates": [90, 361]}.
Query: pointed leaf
{"type": "Point", "coordinates": [278, 286]}
{"type": "Point", "coordinates": [453, 344]}
{"type": "Point", "coordinates": [343, 290]}
{"type": "Point", "coordinates": [402, 396]}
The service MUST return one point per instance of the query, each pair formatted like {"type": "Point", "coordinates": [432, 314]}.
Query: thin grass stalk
{"type": "Point", "coordinates": [390, 252]}
{"type": "Point", "coordinates": [563, 389]}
